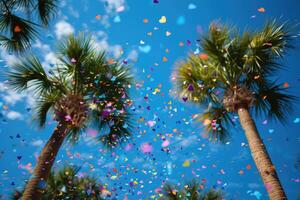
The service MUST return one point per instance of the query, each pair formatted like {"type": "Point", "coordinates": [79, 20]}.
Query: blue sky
{"type": "Point", "coordinates": [118, 27]}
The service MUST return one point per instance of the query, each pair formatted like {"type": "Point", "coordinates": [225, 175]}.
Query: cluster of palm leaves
{"type": "Point", "coordinates": [233, 62]}
{"type": "Point", "coordinates": [235, 74]}
{"type": "Point", "coordinates": [83, 89]}
{"type": "Point", "coordinates": [189, 191]}
{"type": "Point", "coordinates": [83, 78]}
{"type": "Point", "coordinates": [17, 26]}
{"type": "Point", "coordinates": [67, 184]}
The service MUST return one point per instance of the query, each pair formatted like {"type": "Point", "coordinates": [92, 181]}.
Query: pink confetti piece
{"type": "Point", "coordinates": [146, 147]}
{"type": "Point", "coordinates": [165, 143]}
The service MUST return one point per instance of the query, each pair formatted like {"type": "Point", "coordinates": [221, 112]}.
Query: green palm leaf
{"type": "Point", "coordinates": [100, 87]}
{"type": "Point", "coordinates": [65, 184]}
{"type": "Point", "coordinates": [46, 10]}
{"type": "Point", "coordinates": [18, 31]}
{"type": "Point", "coordinates": [273, 101]}
{"type": "Point", "coordinates": [21, 32]}
{"type": "Point", "coordinates": [30, 73]}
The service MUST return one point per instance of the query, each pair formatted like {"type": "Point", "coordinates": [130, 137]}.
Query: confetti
{"type": "Point", "coordinates": [180, 20]}
{"type": "Point", "coordinates": [192, 6]}
{"type": "Point", "coordinates": [146, 147]}
{"type": "Point", "coordinates": [145, 49]}
{"type": "Point", "coordinates": [186, 163]}
{"type": "Point", "coordinates": [261, 10]}
{"type": "Point", "coordinates": [163, 20]}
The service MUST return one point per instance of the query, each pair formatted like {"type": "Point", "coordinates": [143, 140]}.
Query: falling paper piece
{"type": "Point", "coordinates": [146, 148]}
{"type": "Point", "coordinates": [163, 20]}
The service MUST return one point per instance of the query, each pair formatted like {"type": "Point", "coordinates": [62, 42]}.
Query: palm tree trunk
{"type": "Point", "coordinates": [261, 157]}
{"type": "Point", "coordinates": [44, 164]}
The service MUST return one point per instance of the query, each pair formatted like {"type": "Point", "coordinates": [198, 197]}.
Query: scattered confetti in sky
{"type": "Point", "coordinates": [167, 144]}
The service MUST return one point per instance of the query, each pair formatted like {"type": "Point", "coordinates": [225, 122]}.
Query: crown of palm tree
{"type": "Point", "coordinates": [234, 71]}
{"type": "Point", "coordinates": [16, 28]}
{"type": "Point", "coordinates": [190, 191]}
{"type": "Point", "coordinates": [66, 184]}
{"type": "Point", "coordinates": [82, 89]}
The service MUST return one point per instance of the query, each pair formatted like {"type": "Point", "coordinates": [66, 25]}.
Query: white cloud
{"type": "Point", "coordinates": [13, 115]}
{"type": "Point", "coordinates": [9, 59]}
{"type": "Point", "coordinates": [50, 59]}
{"type": "Point", "coordinates": [112, 9]}
{"type": "Point", "coordinates": [114, 6]}
{"type": "Point", "coordinates": [101, 44]}
{"type": "Point", "coordinates": [63, 28]}
{"type": "Point", "coordinates": [188, 141]}
{"type": "Point", "coordinates": [37, 143]}
{"type": "Point", "coordinates": [73, 12]}
{"type": "Point", "coordinates": [133, 55]}
{"type": "Point", "coordinates": [39, 45]}
{"type": "Point", "coordinates": [11, 97]}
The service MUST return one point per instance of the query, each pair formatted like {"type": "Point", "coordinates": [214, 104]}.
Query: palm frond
{"type": "Point", "coordinates": [75, 47]}
{"type": "Point", "coordinates": [213, 43]}
{"type": "Point", "coordinates": [216, 121]}
{"type": "Point", "coordinates": [197, 79]}
{"type": "Point", "coordinates": [21, 32]}
{"type": "Point", "coordinates": [212, 195]}
{"type": "Point", "coordinates": [266, 47]}
{"type": "Point", "coordinates": [66, 184]}
{"type": "Point", "coordinates": [119, 130]}
{"type": "Point", "coordinates": [191, 190]}
{"type": "Point", "coordinates": [18, 32]}
{"type": "Point", "coordinates": [170, 192]}
{"type": "Point", "coordinates": [44, 104]}
{"type": "Point", "coordinates": [30, 73]}
{"type": "Point", "coordinates": [273, 101]}
{"type": "Point", "coordinates": [46, 10]}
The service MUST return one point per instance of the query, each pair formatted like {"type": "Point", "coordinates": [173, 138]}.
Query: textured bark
{"type": "Point", "coordinates": [261, 157]}
{"type": "Point", "coordinates": [44, 164]}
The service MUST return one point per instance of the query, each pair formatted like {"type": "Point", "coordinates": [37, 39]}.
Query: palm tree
{"type": "Point", "coordinates": [190, 191]}
{"type": "Point", "coordinates": [83, 89]}
{"type": "Point", "coordinates": [233, 74]}
{"type": "Point", "coordinates": [66, 184]}
{"type": "Point", "coordinates": [17, 29]}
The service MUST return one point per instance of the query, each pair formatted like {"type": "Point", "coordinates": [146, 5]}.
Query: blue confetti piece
{"type": "Point", "coordinates": [113, 78]}
{"type": "Point", "coordinates": [102, 96]}
{"type": "Point", "coordinates": [145, 49]}
{"type": "Point", "coordinates": [117, 19]}
{"type": "Point", "coordinates": [192, 6]}
{"type": "Point", "coordinates": [297, 120]}
{"type": "Point", "coordinates": [181, 20]}
{"type": "Point", "coordinates": [42, 184]}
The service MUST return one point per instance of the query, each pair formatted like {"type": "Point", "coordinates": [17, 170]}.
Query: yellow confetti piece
{"type": "Point", "coordinates": [113, 177]}
{"type": "Point", "coordinates": [186, 163]}
{"type": "Point", "coordinates": [163, 20]}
